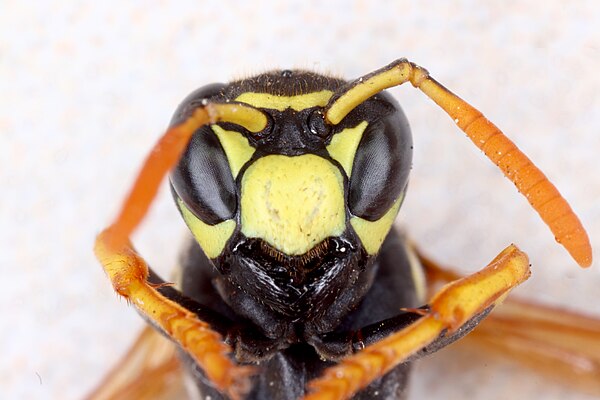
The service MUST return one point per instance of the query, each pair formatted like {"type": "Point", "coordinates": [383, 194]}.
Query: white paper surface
{"type": "Point", "coordinates": [86, 89]}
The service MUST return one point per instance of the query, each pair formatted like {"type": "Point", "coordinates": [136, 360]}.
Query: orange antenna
{"type": "Point", "coordinates": [166, 154]}
{"type": "Point", "coordinates": [529, 180]}
{"type": "Point", "coordinates": [129, 272]}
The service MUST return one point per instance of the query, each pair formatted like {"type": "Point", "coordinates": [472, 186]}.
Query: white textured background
{"type": "Point", "coordinates": [85, 91]}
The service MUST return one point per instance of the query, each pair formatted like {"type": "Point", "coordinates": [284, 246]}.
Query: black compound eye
{"type": "Point", "coordinates": [382, 161]}
{"type": "Point", "coordinates": [316, 124]}
{"type": "Point", "coordinates": [202, 178]}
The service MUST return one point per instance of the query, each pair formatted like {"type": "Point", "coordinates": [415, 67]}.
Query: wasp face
{"type": "Point", "coordinates": [299, 210]}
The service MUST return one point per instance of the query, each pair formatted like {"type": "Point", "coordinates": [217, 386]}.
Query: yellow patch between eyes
{"type": "Point", "coordinates": [212, 238]}
{"type": "Point", "coordinates": [236, 146]}
{"type": "Point", "coordinates": [281, 103]}
{"type": "Point", "coordinates": [372, 233]}
{"type": "Point", "coordinates": [292, 203]}
{"type": "Point", "coordinates": [344, 144]}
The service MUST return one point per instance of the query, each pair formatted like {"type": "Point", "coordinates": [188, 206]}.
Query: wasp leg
{"type": "Point", "coordinates": [359, 339]}
{"type": "Point", "coordinates": [218, 321]}
{"type": "Point", "coordinates": [128, 271]}
{"type": "Point", "coordinates": [561, 344]}
{"type": "Point", "coordinates": [399, 283]}
{"type": "Point", "coordinates": [452, 307]}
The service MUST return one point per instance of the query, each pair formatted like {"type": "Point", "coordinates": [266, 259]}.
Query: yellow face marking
{"type": "Point", "coordinates": [212, 238]}
{"type": "Point", "coordinates": [372, 233]}
{"type": "Point", "coordinates": [281, 103]}
{"type": "Point", "coordinates": [292, 203]}
{"type": "Point", "coordinates": [344, 144]}
{"type": "Point", "coordinates": [236, 146]}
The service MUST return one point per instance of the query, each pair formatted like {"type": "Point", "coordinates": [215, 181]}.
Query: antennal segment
{"type": "Point", "coordinates": [516, 166]}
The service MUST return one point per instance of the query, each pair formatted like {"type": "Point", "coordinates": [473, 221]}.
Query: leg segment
{"type": "Point", "coordinates": [129, 272]}
{"type": "Point", "coordinates": [398, 285]}
{"type": "Point", "coordinates": [561, 344]}
{"type": "Point", "coordinates": [529, 180]}
{"type": "Point", "coordinates": [452, 307]}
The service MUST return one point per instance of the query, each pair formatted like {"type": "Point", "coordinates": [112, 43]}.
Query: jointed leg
{"type": "Point", "coordinates": [462, 298]}
{"type": "Point", "coordinates": [553, 341]}
{"type": "Point", "coordinates": [450, 309]}
{"type": "Point", "coordinates": [129, 272]}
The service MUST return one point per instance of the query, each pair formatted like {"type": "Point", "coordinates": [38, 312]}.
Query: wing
{"type": "Point", "coordinates": [555, 342]}
{"type": "Point", "coordinates": [560, 344]}
{"type": "Point", "coordinates": [150, 370]}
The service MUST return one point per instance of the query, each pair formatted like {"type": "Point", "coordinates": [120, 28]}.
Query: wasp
{"type": "Point", "coordinates": [295, 284]}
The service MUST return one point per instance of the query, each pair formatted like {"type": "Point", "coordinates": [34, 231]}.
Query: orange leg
{"type": "Point", "coordinates": [561, 344]}
{"type": "Point", "coordinates": [529, 180]}
{"type": "Point", "coordinates": [450, 308]}
{"type": "Point", "coordinates": [128, 272]}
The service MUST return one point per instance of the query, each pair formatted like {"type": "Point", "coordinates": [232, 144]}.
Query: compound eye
{"type": "Point", "coordinates": [203, 179]}
{"type": "Point", "coordinates": [316, 124]}
{"type": "Point", "coordinates": [381, 164]}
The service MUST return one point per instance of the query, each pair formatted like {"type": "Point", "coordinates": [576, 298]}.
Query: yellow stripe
{"type": "Point", "coordinates": [344, 144]}
{"type": "Point", "coordinates": [281, 103]}
{"type": "Point", "coordinates": [212, 238]}
{"type": "Point", "coordinates": [237, 148]}
{"type": "Point", "coordinates": [372, 233]}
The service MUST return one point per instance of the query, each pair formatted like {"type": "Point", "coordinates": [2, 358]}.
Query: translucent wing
{"type": "Point", "coordinates": [558, 343]}
{"type": "Point", "coordinates": [150, 370]}
{"type": "Point", "coordinates": [555, 342]}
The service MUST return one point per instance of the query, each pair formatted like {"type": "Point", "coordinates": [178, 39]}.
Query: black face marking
{"type": "Point", "coordinates": [317, 126]}
{"type": "Point", "coordinates": [299, 286]}
{"type": "Point", "coordinates": [294, 133]}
